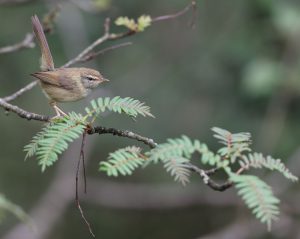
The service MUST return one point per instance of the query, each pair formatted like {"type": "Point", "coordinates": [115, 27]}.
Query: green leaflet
{"type": "Point", "coordinates": [53, 140]}
{"type": "Point", "coordinates": [235, 144]}
{"type": "Point", "coordinates": [174, 154]}
{"type": "Point", "coordinates": [123, 161]}
{"type": "Point", "coordinates": [120, 105]}
{"type": "Point", "coordinates": [176, 167]}
{"type": "Point", "coordinates": [258, 196]}
{"type": "Point", "coordinates": [257, 160]}
{"type": "Point", "coordinates": [183, 147]}
{"type": "Point", "coordinates": [140, 25]}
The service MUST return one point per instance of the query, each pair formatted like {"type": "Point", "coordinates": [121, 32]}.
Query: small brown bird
{"type": "Point", "coordinates": [62, 84]}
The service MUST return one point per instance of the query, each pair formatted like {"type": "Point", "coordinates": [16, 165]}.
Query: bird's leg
{"type": "Point", "coordinates": [58, 111]}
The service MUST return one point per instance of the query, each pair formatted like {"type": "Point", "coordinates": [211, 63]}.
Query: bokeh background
{"type": "Point", "coordinates": [238, 69]}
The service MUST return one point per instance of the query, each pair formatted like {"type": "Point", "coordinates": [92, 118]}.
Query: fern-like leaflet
{"type": "Point", "coordinates": [225, 136]}
{"type": "Point", "coordinates": [176, 167]}
{"type": "Point", "coordinates": [175, 153]}
{"type": "Point", "coordinates": [120, 105]}
{"type": "Point", "coordinates": [54, 139]}
{"type": "Point", "coordinates": [183, 147]}
{"type": "Point", "coordinates": [235, 144]}
{"type": "Point", "coordinates": [258, 196]}
{"type": "Point", "coordinates": [208, 157]}
{"type": "Point", "coordinates": [123, 161]}
{"type": "Point", "coordinates": [257, 160]}
{"type": "Point", "coordinates": [31, 148]}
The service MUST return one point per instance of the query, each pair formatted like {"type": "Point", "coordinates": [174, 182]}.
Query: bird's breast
{"type": "Point", "coordinates": [62, 94]}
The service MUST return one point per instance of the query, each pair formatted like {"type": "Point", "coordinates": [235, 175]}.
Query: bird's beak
{"type": "Point", "coordinates": [105, 80]}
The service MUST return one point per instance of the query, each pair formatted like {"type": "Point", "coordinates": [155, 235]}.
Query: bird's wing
{"type": "Point", "coordinates": [55, 78]}
{"type": "Point", "coordinates": [47, 77]}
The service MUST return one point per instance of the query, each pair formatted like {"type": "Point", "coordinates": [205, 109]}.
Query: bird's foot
{"type": "Point", "coordinates": [59, 113]}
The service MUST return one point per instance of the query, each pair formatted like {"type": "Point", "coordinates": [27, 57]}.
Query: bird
{"type": "Point", "coordinates": [62, 84]}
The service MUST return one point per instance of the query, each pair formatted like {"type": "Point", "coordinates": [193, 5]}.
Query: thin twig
{"type": "Point", "coordinates": [212, 171]}
{"type": "Point", "coordinates": [86, 51]}
{"type": "Point", "coordinates": [27, 42]}
{"type": "Point", "coordinates": [11, 2]}
{"type": "Point", "coordinates": [207, 180]}
{"type": "Point", "coordinates": [107, 26]}
{"type": "Point", "coordinates": [95, 54]}
{"type": "Point", "coordinates": [23, 113]}
{"type": "Point", "coordinates": [106, 37]}
{"type": "Point", "coordinates": [194, 11]}
{"type": "Point", "coordinates": [175, 15]}
{"type": "Point", "coordinates": [81, 157]}
{"type": "Point", "coordinates": [83, 160]}
{"type": "Point", "coordinates": [83, 217]}
{"type": "Point", "coordinates": [240, 170]}
{"type": "Point", "coordinates": [20, 92]}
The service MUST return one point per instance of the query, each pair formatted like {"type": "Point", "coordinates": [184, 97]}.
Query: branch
{"type": "Point", "coordinates": [20, 92]}
{"type": "Point", "coordinates": [83, 56]}
{"type": "Point", "coordinates": [192, 5]}
{"type": "Point", "coordinates": [23, 113]}
{"type": "Point", "coordinates": [81, 157]}
{"type": "Point", "coordinates": [91, 47]}
{"type": "Point", "coordinates": [27, 42]}
{"type": "Point", "coordinates": [101, 52]}
{"type": "Point", "coordinates": [152, 144]}
{"type": "Point", "coordinates": [122, 133]}
{"type": "Point", "coordinates": [11, 2]}
{"type": "Point", "coordinates": [207, 180]}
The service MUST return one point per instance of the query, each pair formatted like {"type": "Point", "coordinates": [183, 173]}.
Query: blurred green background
{"type": "Point", "coordinates": [239, 69]}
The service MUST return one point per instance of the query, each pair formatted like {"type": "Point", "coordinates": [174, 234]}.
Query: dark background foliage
{"type": "Point", "coordinates": [237, 69]}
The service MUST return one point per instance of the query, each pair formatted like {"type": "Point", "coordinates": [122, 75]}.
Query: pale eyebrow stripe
{"type": "Point", "coordinates": [93, 77]}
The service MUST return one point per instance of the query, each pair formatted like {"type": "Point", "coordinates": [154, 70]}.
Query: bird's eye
{"type": "Point", "coordinates": [90, 78]}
